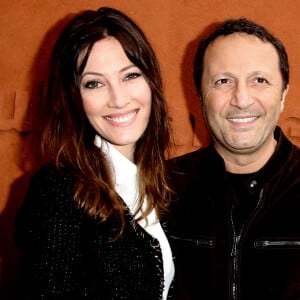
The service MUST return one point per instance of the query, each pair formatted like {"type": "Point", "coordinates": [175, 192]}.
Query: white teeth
{"type": "Point", "coordinates": [242, 120]}
{"type": "Point", "coordinates": [121, 119]}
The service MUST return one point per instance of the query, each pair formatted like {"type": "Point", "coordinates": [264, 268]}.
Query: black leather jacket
{"type": "Point", "coordinates": [260, 260]}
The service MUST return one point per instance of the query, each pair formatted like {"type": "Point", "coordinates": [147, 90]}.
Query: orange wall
{"type": "Point", "coordinates": [27, 31]}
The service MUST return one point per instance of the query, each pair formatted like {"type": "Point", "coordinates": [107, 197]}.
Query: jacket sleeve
{"type": "Point", "coordinates": [46, 232]}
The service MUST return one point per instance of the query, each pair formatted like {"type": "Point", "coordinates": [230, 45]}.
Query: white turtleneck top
{"type": "Point", "coordinates": [126, 185]}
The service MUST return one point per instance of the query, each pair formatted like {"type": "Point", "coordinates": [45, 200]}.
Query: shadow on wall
{"type": "Point", "coordinates": [8, 251]}
{"type": "Point", "coordinates": [200, 134]}
{"type": "Point", "coordinates": [291, 126]}
{"type": "Point", "coordinates": [23, 127]}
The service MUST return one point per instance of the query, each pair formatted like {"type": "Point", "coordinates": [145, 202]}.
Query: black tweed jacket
{"type": "Point", "coordinates": [66, 255]}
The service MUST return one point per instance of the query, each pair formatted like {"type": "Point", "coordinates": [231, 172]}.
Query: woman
{"type": "Point", "coordinates": [89, 226]}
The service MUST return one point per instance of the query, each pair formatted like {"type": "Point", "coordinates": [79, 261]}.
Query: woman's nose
{"type": "Point", "coordinates": [118, 98]}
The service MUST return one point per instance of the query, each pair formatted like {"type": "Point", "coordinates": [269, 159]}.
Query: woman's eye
{"type": "Point", "coordinates": [92, 84]}
{"type": "Point", "coordinates": [133, 76]}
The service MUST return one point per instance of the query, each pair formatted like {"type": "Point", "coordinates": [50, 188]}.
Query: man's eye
{"type": "Point", "coordinates": [222, 81]}
{"type": "Point", "coordinates": [261, 80]}
{"type": "Point", "coordinates": [92, 84]}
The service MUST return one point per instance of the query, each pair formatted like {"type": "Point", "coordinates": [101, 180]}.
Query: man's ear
{"type": "Point", "coordinates": [284, 93]}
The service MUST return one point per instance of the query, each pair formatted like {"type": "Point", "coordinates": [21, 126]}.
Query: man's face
{"type": "Point", "coordinates": [242, 92]}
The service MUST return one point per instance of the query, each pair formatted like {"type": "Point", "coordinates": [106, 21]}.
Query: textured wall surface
{"type": "Point", "coordinates": [28, 29]}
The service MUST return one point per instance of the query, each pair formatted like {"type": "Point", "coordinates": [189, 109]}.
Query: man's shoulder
{"type": "Point", "coordinates": [197, 155]}
{"type": "Point", "coordinates": [200, 159]}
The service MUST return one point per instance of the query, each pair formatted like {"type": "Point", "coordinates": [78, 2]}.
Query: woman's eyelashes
{"type": "Point", "coordinates": [96, 83]}
{"type": "Point", "coordinates": [133, 75]}
{"type": "Point", "coordinates": [92, 84]}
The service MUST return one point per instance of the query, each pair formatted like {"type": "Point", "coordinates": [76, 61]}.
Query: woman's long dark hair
{"type": "Point", "coordinates": [67, 137]}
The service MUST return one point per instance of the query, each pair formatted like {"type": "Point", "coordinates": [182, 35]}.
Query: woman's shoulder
{"type": "Point", "coordinates": [49, 200]}
{"type": "Point", "coordinates": [48, 211]}
{"type": "Point", "coordinates": [51, 173]}
{"type": "Point", "coordinates": [50, 186]}
{"type": "Point", "coordinates": [49, 177]}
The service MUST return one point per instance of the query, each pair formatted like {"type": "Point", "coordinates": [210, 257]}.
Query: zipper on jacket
{"type": "Point", "coordinates": [205, 243]}
{"type": "Point", "coordinates": [235, 251]}
{"type": "Point", "coordinates": [234, 256]}
{"type": "Point", "coordinates": [276, 244]}
{"type": "Point", "coordinates": [235, 267]}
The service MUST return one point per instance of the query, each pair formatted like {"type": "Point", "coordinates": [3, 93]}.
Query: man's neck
{"type": "Point", "coordinates": [244, 163]}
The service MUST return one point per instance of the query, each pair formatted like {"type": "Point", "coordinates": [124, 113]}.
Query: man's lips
{"type": "Point", "coordinates": [242, 120]}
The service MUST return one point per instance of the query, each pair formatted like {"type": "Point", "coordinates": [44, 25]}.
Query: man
{"type": "Point", "coordinates": [235, 227]}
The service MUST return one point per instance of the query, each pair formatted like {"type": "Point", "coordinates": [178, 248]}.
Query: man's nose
{"type": "Point", "coordinates": [241, 96]}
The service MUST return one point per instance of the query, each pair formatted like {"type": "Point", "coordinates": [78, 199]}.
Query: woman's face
{"type": "Point", "coordinates": [116, 96]}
